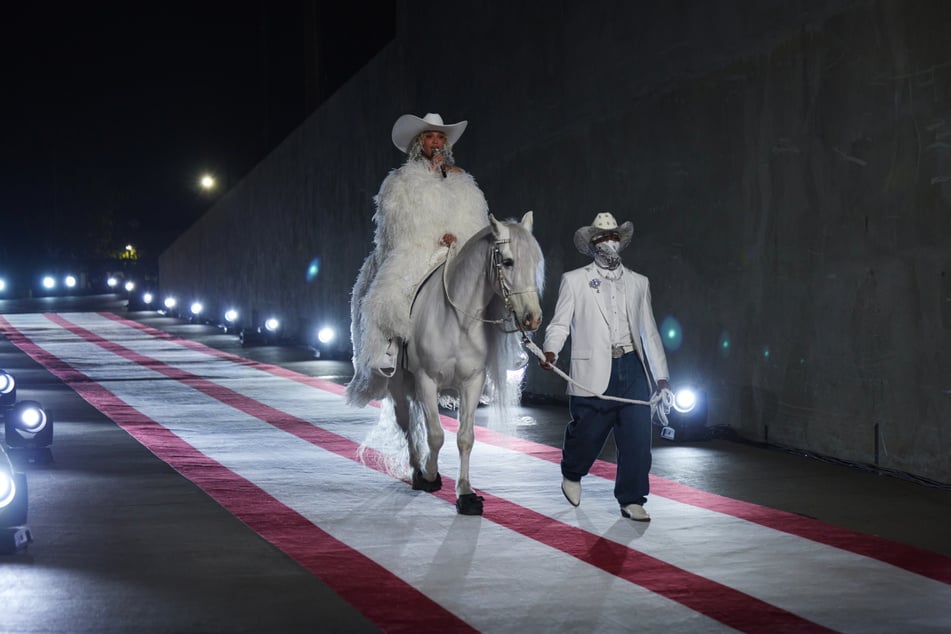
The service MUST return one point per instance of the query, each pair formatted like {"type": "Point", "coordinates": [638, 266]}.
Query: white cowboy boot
{"type": "Point", "coordinates": [386, 365]}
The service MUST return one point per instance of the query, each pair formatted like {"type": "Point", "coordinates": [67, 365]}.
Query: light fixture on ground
{"type": "Point", "coordinates": [49, 283]}
{"type": "Point", "coordinates": [231, 320]}
{"type": "Point", "coordinates": [27, 425]}
{"type": "Point", "coordinates": [3, 285]}
{"type": "Point", "coordinates": [69, 281]}
{"type": "Point", "coordinates": [8, 391]}
{"type": "Point", "coordinates": [687, 419]}
{"type": "Point", "coordinates": [325, 342]}
{"type": "Point", "coordinates": [268, 333]}
{"type": "Point", "coordinates": [14, 534]}
{"type": "Point", "coordinates": [129, 286]}
{"type": "Point", "coordinates": [169, 304]}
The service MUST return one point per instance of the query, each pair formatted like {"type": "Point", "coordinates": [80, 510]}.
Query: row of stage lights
{"type": "Point", "coordinates": [28, 431]}
{"type": "Point", "coordinates": [269, 331]}
{"type": "Point", "coordinates": [48, 283]}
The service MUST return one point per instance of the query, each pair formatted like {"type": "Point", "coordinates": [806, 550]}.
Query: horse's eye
{"type": "Point", "coordinates": [508, 263]}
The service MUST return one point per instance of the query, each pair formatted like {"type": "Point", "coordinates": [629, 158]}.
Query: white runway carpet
{"type": "Point", "coordinates": [277, 449]}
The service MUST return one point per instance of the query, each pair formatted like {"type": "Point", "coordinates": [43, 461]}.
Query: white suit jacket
{"type": "Point", "coordinates": [582, 312]}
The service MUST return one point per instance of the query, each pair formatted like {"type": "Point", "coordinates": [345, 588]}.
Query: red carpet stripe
{"type": "Point", "coordinates": [911, 558]}
{"type": "Point", "coordinates": [730, 606]}
{"type": "Point", "coordinates": [385, 599]}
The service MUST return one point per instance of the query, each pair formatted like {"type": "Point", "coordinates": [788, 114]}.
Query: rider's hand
{"type": "Point", "coordinates": [447, 240]}
{"type": "Point", "coordinates": [549, 360]}
{"type": "Point", "coordinates": [663, 385]}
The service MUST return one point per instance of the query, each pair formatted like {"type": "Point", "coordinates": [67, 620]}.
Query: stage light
{"type": "Point", "coordinates": [687, 419]}
{"type": "Point", "coordinates": [8, 390]}
{"type": "Point", "coordinates": [28, 425]}
{"type": "Point", "coordinates": [170, 303]}
{"type": "Point", "coordinates": [196, 308]}
{"type": "Point", "coordinates": [112, 282]}
{"type": "Point", "coordinates": [129, 286]}
{"type": "Point", "coordinates": [326, 335]}
{"type": "Point", "coordinates": [272, 324]}
{"type": "Point", "coordinates": [69, 281]}
{"type": "Point", "coordinates": [14, 534]}
{"type": "Point", "coordinates": [3, 285]}
{"type": "Point", "coordinates": [231, 315]}
{"type": "Point", "coordinates": [49, 282]}
{"type": "Point", "coordinates": [147, 297]}
{"type": "Point", "coordinates": [8, 488]}
{"type": "Point", "coordinates": [685, 401]}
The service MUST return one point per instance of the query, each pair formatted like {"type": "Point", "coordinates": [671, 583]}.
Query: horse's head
{"type": "Point", "coordinates": [519, 269]}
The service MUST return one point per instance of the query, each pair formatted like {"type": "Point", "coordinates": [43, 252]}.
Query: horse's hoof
{"type": "Point", "coordinates": [422, 484]}
{"type": "Point", "coordinates": [469, 504]}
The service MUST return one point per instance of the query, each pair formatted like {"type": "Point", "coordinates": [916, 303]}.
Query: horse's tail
{"type": "Point", "coordinates": [386, 445]}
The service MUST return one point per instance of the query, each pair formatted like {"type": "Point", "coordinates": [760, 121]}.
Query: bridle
{"type": "Point", "coordinates": [505, 289]}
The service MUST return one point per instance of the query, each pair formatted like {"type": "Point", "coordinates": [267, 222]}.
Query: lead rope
{"type": "Point", "coordinates": [660, 403]}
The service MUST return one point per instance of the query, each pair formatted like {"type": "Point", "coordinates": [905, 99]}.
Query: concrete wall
{"type": "Point", "coordinates": [786, 165]}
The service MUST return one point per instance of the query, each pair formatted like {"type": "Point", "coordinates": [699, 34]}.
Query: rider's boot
{"type": "Point", "coordinates": [386, 363]}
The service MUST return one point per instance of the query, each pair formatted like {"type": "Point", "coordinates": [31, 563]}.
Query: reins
{"type": "Point", "coordinates": [506, 290]}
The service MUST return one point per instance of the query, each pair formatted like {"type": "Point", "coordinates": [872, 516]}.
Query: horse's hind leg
{"type": "Point", "coordinates": [401, 389]}
{"type": "Point", "coordinates": [467, 502]}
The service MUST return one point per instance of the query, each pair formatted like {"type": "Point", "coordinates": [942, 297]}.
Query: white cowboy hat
{"type": "Point", "coordinates": [603, 223]}
{"type": "Point", "coordinates": [409, 125]}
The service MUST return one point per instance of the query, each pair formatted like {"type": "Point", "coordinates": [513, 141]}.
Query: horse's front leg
{"type": "Point", "coordinates": [467, 502]}
{"type": "Point", "coordinates": [426, 394]}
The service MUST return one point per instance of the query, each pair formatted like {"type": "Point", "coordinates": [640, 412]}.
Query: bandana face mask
{"type": "Point", "coordinates": [606, 255]}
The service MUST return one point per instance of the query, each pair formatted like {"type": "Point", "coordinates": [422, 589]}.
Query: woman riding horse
{"type": "Point", "coordinates": [422, 208]}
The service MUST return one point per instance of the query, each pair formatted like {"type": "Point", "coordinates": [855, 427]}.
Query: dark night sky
{"type": "Point", "coordinates": [111, 111]}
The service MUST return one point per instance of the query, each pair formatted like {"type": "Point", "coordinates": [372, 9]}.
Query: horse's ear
{"type": "Point", "coordinates": [528, 220]}
{"type": "Point", "coordinates": [496, 225]}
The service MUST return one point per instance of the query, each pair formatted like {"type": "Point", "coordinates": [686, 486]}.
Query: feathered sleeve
{"type": "Point", "coordinates": [416, 207]}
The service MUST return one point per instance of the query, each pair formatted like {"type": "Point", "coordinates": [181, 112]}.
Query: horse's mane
{"type": "Point", "coordinates": [505, 349]}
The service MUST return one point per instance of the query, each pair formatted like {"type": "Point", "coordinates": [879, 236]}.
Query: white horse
{"type": "Point", "coordinates": [458, 336]}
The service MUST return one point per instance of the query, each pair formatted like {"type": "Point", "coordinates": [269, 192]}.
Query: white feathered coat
{"type": "Point", "coordinates": [414, 209]}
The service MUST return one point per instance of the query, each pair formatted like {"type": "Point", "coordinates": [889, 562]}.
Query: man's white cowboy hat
{"type": "Point", "coordinates": [603, 223]}
{"type": "Point", "coordinates": [409, 125]}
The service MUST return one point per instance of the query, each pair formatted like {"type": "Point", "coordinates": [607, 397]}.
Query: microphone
{"type": "Point", "coordinates": [442, 166]}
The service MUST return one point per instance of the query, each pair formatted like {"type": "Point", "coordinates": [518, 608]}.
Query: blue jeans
{"type": "Point", "coordinates": [592, 419]}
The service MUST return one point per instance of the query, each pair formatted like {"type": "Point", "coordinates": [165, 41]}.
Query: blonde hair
{"type": "Point", "coordinates": [415, 151]}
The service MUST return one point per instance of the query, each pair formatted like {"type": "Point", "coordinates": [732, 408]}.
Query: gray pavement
{"type": "Point", "coordinates": [123, 543]}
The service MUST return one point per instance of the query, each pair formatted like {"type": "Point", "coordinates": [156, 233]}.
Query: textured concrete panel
{"type": "Point", "coordinates": [787, 168]}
